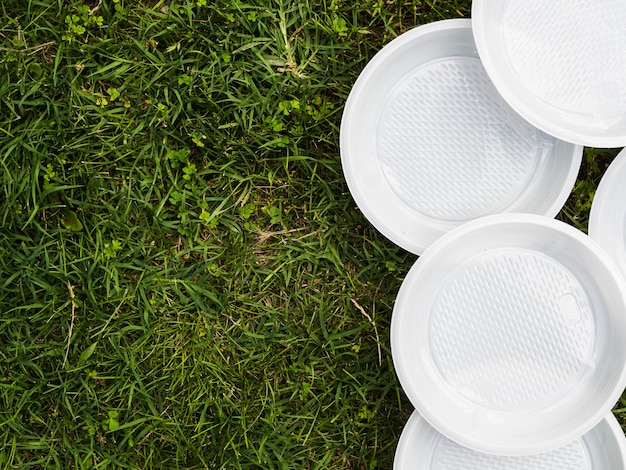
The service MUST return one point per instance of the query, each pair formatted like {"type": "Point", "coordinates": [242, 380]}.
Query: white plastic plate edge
{"type": "Point", "coordinates": [399, 223]}
{"type": "Point", "coordinates": [403, 369]}
{"type": "Point", "coordinates": [358, 174]}
{"type": "Point", "coordinates": [547, 118]}
{"type": "Point", "coordinates": [607, 219]}
{"type": "Point", "coordinates": [418, 438]}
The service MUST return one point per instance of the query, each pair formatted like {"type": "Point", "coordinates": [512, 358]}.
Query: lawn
{"type": "Point", "coordinates": [185, 281]}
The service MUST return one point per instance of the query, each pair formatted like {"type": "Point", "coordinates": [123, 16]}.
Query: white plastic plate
{"type": "Point", "coordinates": [421, 447]}
{"type": "Point", "coordinates": [607, 221]}
{"type": "Point", "coordinates": [561, 64]}
{"type": "Point", "coordinates": [427, 143]}
{"type": "Point", "coordinates": [509, 334]}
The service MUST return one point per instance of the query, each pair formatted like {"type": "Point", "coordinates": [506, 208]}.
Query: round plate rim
{"type": "Point", "coordinates": [540, 118]}
{"type": "Point", "coordinates": [403, 233]}
{"type": "Point", "coordinates": [601, 224]}
{"type": "Point", "coordinates": [417, 424]}
{"type": "Point", "coordinates": [420, 268]}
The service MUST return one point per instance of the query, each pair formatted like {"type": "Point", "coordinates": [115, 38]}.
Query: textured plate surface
{"type": "Point", "coordinates": [471, 321]}
{"type": "Point", "coordinates": [427, 143]}
{"type": "Point", "coordinates": [443, 113]}
{"type": "Point", "coordinates": [421, 447]}
{"type": "Point", "coordinates": [504, 326]}
{"type": "Point", "coordinates": [560, 64]}
{"type": "Point", "coordinates": [607, 221]}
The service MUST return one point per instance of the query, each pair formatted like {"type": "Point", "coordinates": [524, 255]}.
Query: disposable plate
{"type": "Point", "coordinates": [509, 335]}
{"type": "Point", "coordinates": [607, 221]}
{"type": "Point", "coordinates": [421, 447]}
{"type": "Point", "coordinates": [559, 63]}
{"type": "Point", "coordinates": [427, 143]}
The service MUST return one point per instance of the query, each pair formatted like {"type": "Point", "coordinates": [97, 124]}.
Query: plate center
{"type": "Point", "coordinates": [450, 147]}
{"type": "Point", "coordinates": [512, 330]}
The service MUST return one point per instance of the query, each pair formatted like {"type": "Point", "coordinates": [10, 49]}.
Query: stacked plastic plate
{"type": "Point", "coordinates": [460, 142]}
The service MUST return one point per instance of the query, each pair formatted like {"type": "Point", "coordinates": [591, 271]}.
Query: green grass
{"type": "Point", "coordinates": [185, 281]}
